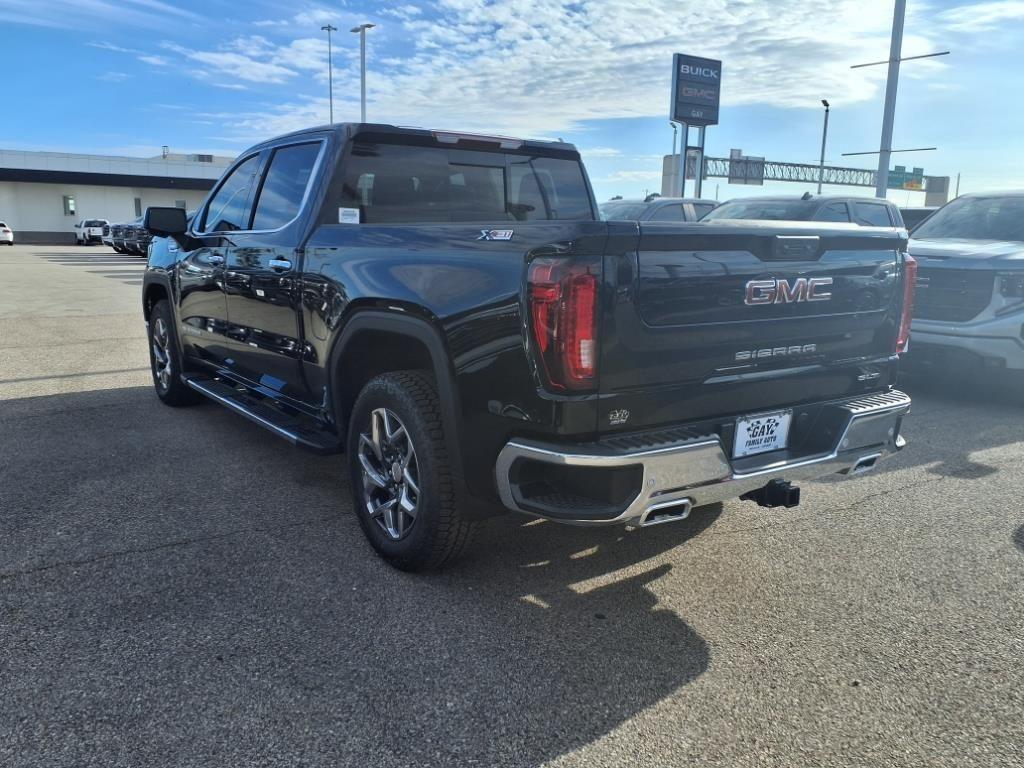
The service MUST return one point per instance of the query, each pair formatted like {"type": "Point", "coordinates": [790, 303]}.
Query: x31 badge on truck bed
{"type": "Point", "coordinates": [496, 234]}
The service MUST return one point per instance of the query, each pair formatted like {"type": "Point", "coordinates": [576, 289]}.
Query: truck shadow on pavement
{"type": "Point", "coordinates": [1018, 538]}
{"type": "Point", "coordinates": [982, 414]}
{"type": "Point", "coordinates": [178, 585]}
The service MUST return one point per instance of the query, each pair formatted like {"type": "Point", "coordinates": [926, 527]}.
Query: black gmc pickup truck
{"type": "Point", "coordinates": [450, 312]}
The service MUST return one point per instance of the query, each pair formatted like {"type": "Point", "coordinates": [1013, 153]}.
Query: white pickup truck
{"type": "Point", "coordinates": [89, 231]}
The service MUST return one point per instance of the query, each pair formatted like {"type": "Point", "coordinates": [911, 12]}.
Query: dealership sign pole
{"type": "Point", "coordinates": [696, 91]}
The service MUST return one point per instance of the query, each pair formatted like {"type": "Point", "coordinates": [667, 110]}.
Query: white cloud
{"type": "Point", "coordinates": [107, 46]}
{"type": "Point", "coordinates": [600, 152]}
{"type": "Point", "coordinates": [983, 17]}
{"type": "Point", "coordinates": [402, 12]}
{"type": "Point", "coordinates": [156, 61]}
{"type": "Point", "coordinates": [541, 67]}
{"type": "Point", "coordinates": [113, 77]}
{"type": "Point", "coordinates": [94, 14]}
{"type": "Point", "coordinates": [234, 64]}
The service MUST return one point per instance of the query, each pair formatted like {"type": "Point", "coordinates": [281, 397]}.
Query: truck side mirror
{"type": "Point", "coordinates": [165, 222]}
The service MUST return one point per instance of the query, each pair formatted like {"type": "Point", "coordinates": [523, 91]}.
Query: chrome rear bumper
{"type": "Point", "coordinates": [695, 470]}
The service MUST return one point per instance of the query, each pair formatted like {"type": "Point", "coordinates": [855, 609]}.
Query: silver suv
{"type": "Point", "coordinates": [969, 308]}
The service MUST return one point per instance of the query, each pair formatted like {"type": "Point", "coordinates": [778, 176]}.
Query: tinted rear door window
{"type": "Point", "coordinates": [284, 185]}
{"type": "Point", "coordinates": [702, 209]}
{"type": "Point", "coordinates": [673, 212]}
{"type": "Point", "coordinates": [872, 214]}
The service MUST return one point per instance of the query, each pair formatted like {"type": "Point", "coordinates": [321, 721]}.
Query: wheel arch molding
{"type": "Point", "coordinates": [375, 341]}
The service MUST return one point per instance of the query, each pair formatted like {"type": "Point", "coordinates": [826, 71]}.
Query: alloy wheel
{"type": "Point", "coordinates": [161, 353]}
{"type": "Point", "coordinates": [390, 473]}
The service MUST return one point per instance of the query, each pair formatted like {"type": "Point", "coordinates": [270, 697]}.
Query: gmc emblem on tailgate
{"type": "Point", "coordinates": [782, 292]}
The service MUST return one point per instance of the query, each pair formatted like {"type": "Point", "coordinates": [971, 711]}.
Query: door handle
{"type": "Point", "coordinates": [279, 264]}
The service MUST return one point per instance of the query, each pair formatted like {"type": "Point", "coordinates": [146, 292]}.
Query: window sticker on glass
{"type": "Point", "coordinates": [348, 215]}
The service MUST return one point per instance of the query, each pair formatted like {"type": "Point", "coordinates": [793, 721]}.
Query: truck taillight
{"type": "Point", "coordinates": [909, 284]}
{"type": "Point", "coordinates": [562, 300]}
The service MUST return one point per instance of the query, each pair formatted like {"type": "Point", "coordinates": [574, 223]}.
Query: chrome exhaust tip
{"type": "Point", "coordinates": [865, 464]}
{"type": "Point", "coordinates": [665, 512]}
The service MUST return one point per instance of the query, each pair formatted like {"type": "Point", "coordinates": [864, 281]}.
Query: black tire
{"type": "Point", "coordinates": [165, 359]}
{"type": "Point", "coordinates": [438, 532]}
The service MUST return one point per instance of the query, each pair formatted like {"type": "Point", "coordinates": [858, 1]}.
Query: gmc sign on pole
{"type": "Point", "coordinates": [696, 86]}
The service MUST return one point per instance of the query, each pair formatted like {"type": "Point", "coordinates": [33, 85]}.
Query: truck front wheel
{"type": "Point", "coordinates": [165, 360]}
{"type": "Point", "coordinates": [402, 485]}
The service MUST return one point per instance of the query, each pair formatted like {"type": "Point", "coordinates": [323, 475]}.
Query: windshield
{"type": "Point", "coordinates": [622, 211]}
{"type": "Point", "coordinates": [94, 223]}
{"type": "Point", "coordinates": [976, 218]}
{"type": "Point", "coordinates": [773, 210]}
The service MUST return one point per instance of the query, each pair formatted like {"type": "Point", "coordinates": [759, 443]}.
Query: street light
{"type": "Point", "coordinates": [361, 30]}
{"type": "Point", "coordinates": [824, 135]}
{"type": "Point", "coordinates": [330, 67]}
{"type": "Point", "coordinates": [675, 131]}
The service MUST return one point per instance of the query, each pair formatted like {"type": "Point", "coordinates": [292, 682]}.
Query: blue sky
{"type": "Point", "coordinates": [127, 77]}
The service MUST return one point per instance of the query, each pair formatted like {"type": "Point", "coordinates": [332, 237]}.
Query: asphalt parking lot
{"type": "Point", "coordinates": [178, 587]}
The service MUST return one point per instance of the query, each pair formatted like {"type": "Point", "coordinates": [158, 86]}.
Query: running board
{"type": "Point", "coordinates": [300, 431]}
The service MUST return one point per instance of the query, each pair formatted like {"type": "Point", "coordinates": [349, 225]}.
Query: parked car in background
{"type": "Point", "coordinates": [6, 234]}
{"type": "Point", "coordinates": [914, 216]}
{"type": "Point", "coordinates": [969, 311]}
{"type": "Point", "coordinates": [449, 311]}
{"type": "Point", "coordinates": [105, 237]}
{"type": "Point", "coordinates": [136, 238]}
{"type": "Point", "coordinates": [656, 209]}
{"type": "Point", "coordinates": [117, 237]}
{"type": "Point", "coordinates": [89, 231]}
{"type": "Point", "coordinates": [866, 211]}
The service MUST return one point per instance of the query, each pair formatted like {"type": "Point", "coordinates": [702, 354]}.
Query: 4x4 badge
{"type": "Point", "coordinates": [495, 234]}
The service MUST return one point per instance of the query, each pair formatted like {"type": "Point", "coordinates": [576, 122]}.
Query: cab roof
{"type": "Point", "coordinates": [455, 138]}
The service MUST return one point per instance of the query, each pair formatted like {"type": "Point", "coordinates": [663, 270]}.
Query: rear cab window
{"type": "Point", "coordinates": [836, 211]}
{"type": "Point", "coordinates": [393, 182]}
{"type": "Point", "coordinates": [872, 214]}
{"type": "Point", "coordinates": [764, 210]}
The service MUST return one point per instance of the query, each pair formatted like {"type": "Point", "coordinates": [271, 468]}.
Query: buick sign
{"type": "Point", "coordinates": [695, 90]}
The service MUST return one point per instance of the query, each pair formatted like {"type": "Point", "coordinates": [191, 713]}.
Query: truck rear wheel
{"type": "Point", "coordinates": [402, 485]}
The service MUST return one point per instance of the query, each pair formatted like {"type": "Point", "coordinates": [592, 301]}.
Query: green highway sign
{"type": "Point", "coordinates": [901, 178]}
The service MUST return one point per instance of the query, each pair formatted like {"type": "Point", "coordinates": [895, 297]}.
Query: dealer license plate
{"type": "Point", "coordinates": [761, 433]}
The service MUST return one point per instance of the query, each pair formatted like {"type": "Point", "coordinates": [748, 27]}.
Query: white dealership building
{"type": "Point", "coordinates": [44, 194]}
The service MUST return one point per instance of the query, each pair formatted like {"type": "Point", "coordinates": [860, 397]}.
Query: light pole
{"type": "Point", "coordinates": [889, 112]}
{"type": "Point", "coordinates": [361, 30]}
{"type": "Point", "coordinates": [824, 136]}
{"type": "Point", "coordinates": [330, 67]}
{"type": "Point", "coordinates": [675, 132]}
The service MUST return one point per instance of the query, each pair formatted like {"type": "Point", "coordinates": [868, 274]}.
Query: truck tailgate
{"type": "Point", "coordinates": [712, 320]}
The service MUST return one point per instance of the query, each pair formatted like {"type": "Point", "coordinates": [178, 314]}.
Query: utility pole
{"type": "Point", "coordinates": [889, 113]}
{"type": "Point", "coordinates": [330, 68]}
{"type": "Point", "coordinates": [361, 31]}
{"type": "Point", "coordinates": [824, 136]}
{"type": "Point", "coordinates": [957, 185]}
{"type": "Point", "coordinates": [698, 181]}
{"type": "Point", "coordinates": [684, 139]}
{"type": "Point", "coordinates": [891, 82]}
